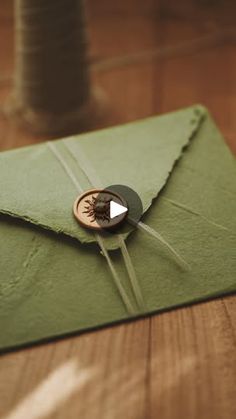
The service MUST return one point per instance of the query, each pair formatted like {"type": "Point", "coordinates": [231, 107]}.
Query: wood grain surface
{"type": "Point", "coordinates": [148, 57]}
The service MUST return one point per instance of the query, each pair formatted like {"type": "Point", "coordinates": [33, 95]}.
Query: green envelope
{"type": "Point", "coordinates": [54, 279]}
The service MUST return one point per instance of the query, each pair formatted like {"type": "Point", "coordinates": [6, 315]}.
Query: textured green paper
{"type": "Point", "coordinates": [55, 284]}
{"type": "Point", "coordinates": [141, 155]}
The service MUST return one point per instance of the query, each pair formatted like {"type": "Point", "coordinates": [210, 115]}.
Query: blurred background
{"type": "Point", "coordinates": [147, 57]}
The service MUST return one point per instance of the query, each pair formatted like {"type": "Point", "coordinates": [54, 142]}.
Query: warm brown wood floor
{"type": "Point", "coordinates": [180, 364]}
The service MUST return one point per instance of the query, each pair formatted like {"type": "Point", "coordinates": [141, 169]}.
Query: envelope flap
{"type": "Point", "coordinates": [35, 187]}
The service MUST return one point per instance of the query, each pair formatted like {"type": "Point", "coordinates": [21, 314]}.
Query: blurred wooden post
{"type": "Point", "coordinates": [52, 92]}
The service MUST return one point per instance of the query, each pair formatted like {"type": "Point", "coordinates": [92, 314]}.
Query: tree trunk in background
{"type": "Point", "coordinates": [51, 83]}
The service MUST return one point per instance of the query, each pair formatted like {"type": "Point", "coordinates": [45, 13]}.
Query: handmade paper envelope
{"type": "Point", "coordinates": [57, 278]}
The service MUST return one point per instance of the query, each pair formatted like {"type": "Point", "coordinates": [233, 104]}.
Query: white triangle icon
{"type": "Point", "coordinates": [116, 209]}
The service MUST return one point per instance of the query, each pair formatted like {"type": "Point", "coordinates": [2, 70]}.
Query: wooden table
{"type": "Point", "coordinates": [180, 364]}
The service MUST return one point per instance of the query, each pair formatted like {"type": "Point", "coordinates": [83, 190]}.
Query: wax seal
{"type": "Point", "coordinates": [100, 209]}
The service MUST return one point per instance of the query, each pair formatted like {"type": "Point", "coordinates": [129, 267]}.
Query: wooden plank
{"type": "Point", "coordinates": [193, 363]}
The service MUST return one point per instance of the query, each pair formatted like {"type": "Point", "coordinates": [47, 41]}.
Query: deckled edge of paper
{"type": "Point", "coordinates": [200, 113]}
{"type": "Point", "coordinates": [34, 222]}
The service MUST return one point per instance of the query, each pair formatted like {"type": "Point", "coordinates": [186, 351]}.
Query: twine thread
{"type": "Point", "coordinates": [50, 48]}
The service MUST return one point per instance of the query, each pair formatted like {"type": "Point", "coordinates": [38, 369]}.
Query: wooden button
{"type": "Point", "coordinates": [92, 209]}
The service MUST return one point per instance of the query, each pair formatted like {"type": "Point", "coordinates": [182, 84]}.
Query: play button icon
{"type": "Point", "coordinates": [125, 209]}
{"type": "Point", "coordinates": [116, 209]}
